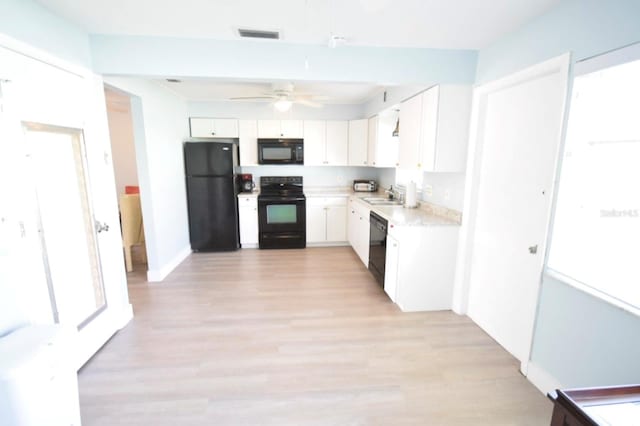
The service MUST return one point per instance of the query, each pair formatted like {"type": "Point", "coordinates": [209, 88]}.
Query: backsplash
{"type": "Point", "coordinates": [324, 176]}
{"type": "Point", "coordinates": [447, 189]}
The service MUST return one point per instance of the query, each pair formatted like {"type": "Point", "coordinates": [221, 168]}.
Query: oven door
{"type": "Point", "coordinates": [282, 221]}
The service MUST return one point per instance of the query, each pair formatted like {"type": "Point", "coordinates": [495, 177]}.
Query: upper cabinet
{"type": "Point", "coordinates": [248, 134]}
{"type": "Point", "coordinates": [382, 145]}
{"type": "Point", "coordinates": [358, 139]}
{"type": "Point", "coordinates": [325, 143]}
{"type": "Point", "coordinates": [213, 127]}
{"type": "Point", "coordinates": [280, 129]}
{"type": "Point", "coordinates": [434, 129]}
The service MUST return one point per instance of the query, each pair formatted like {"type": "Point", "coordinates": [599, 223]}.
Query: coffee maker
{"type": "Point", "coordinates": [246, 182]}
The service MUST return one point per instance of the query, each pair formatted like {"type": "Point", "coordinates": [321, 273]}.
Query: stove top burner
{"type": "Point", "coordinates": [281, 185]}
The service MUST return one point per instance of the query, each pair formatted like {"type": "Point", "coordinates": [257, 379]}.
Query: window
{"type": "Point", "coordinates": [596, 229]}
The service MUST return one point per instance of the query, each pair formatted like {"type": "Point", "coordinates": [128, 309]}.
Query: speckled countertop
{"type": "Point", "coordinates": [425, 215]}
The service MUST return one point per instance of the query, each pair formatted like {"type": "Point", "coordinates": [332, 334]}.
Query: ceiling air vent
{"type": "Point", "coordinates": [274, 35]}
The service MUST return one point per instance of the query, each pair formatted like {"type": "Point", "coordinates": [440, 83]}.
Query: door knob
{"type": "Point", "coordinates": [533, 249]}
{"type": "Point", "coordinates": [101, 226]}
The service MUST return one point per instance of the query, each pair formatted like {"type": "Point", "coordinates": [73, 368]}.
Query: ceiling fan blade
{"type": "Point", "coordinates": [251, 97]}
{"type": "Point", "coordinates": [308, 103]}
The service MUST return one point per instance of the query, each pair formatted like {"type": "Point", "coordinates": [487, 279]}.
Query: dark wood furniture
{"type": "Point", "coordinates": [596, 406]}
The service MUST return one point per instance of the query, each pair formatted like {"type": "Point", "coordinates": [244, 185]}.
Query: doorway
{"type": "Point", "coordinates": [515, 138]}
{"type": "Point", "coordinates": [121, 130]}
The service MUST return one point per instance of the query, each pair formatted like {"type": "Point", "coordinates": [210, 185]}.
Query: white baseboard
{"type": "Point", "coordinates": [157, 275]}
{"type": "Point", "coordinates": [544, 381]}
{"type": "Point", "coordinates": [328, 244]}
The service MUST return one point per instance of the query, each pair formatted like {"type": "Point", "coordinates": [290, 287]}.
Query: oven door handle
{"type": "Point", "coordinates": [279, 199]}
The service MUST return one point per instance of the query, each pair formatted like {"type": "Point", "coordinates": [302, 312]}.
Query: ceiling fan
{"type": "Point", "coordinates": [284, 96]}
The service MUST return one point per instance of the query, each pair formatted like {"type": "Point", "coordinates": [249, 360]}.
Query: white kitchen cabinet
{"type": "Point", "coordinates": [248, 134]}
{"type": "Point", "coordinates": [435, 129]}
{"type": "Point", "coordinates": [326, 220]}
{"type": "Point", "coordinates": [420, 269]}
{"type": "Point", "coordinates": [337, 221]}
{"type": "Point", "coordinates": [316, 220]}
{"type": "Point", "coordinates": [382, 146]}
{"type": "Point", "coordinates": [358, 142]}
{"type": "Point", "coordinates": [358, 229]}
{"type": "Point", "coordinates": [280, 129]}
{"type": "Point", "coordinates": [213, 127]}
{"type": "Point", "coordinates": [337, 147]}
{"type": "Point", "coordinates": [391, 267]}
{"type": "Point", "coordinates": [410, 134]}
{"type": "Point", "coordinates": [248, 219]}
{"type": "Point", "coordinates": [315, 138]}
{"type": "Point", "coordinates": [325, 143]}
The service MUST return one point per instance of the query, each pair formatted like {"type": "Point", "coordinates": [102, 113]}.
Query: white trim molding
{"type": "Point", "coordinates": [541, 379]}
{"type": "Point", "coordinates": [157, 275]}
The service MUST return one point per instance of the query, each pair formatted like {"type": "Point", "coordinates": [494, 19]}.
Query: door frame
{"type": "Point", "coordinates": [561, 65]}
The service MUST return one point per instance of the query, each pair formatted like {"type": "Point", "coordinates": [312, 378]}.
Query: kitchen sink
{"type": "Point", "coordinates": [381, 201]}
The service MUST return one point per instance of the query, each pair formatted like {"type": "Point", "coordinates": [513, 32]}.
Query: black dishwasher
{"type": "Point", "coordinates": [377, 246]}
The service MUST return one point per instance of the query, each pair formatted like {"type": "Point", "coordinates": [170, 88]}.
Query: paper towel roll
{"type": "Point", "coordinates": [410, 196]}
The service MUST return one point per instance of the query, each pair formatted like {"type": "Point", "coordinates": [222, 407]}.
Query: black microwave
{"type": "Point", "coordinates": [280, 151]}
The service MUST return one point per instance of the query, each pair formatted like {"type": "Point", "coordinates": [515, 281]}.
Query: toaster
{"type": "Point", "coordinates": [365, 185]}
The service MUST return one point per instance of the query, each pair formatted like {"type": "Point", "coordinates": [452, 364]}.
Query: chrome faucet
{"type": "Point", "coordinates": [394, 194]}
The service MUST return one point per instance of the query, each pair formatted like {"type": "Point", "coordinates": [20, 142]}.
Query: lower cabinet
{"type": "Point", "coordinates": [248, 218]}
{"type": "Point", "coordinates": [326, 219]}
{"type": "Point", "coordinates": [420, 266]}
{"type": "Point", "coordinates": [358, 229]}
{"type": "Point", "coordinates": [391, 268]}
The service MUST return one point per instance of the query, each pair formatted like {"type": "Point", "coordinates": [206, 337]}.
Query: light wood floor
{"type": "Point", "coordinates": [297, 337]}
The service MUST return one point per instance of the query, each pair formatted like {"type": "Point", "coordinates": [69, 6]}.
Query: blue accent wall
{"type": "Point", "coordinates": [584, 27]}
{"type": "Point", "coordinates": [28, 22]}
{"type": "Point", "coordinates": [163, 56]}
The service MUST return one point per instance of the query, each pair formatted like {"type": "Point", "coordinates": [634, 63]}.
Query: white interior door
{"type": "Point", "coordinates": [518, 128]}
{"type": "Point", "coordinates": [67, 228]}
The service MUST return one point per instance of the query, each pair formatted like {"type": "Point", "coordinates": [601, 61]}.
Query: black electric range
{"type": "Point", "coordinates": [282, 213]}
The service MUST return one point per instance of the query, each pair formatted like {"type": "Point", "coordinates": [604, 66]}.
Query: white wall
{"type": "Point", "coordinates": [447, 189]}
{"type": "Point", "coordinates": [160, 125]}
{"type": "Point", "coordinates": [395, 95]}
{"type": "Point", "coordinates": [122, 145]}
{"type": "Point", "coordinates": [32, 24]}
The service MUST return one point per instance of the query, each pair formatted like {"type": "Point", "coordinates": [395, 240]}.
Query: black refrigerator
{"type": "Point", "coordinates": [212, 194]}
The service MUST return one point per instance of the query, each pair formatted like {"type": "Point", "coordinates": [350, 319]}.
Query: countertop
{"type": "Point", "coordinates": [252, 194]}
{"type": "Point", "coordinates": [425, 214]}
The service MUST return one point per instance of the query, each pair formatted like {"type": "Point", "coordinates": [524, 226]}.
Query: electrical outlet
{"type": "Point", "coordinates": [428, 190]}
{"type": "Point", "coordinates": [447, 194]}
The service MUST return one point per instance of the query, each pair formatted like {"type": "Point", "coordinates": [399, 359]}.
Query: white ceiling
{"type": "Point", "coordinates": [454, 24]}
{"type": "Point", "coordinates": [216, 90]}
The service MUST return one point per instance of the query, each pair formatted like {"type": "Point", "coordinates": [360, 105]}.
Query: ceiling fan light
{"type": "Point", "coordinates": [282, 105]}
